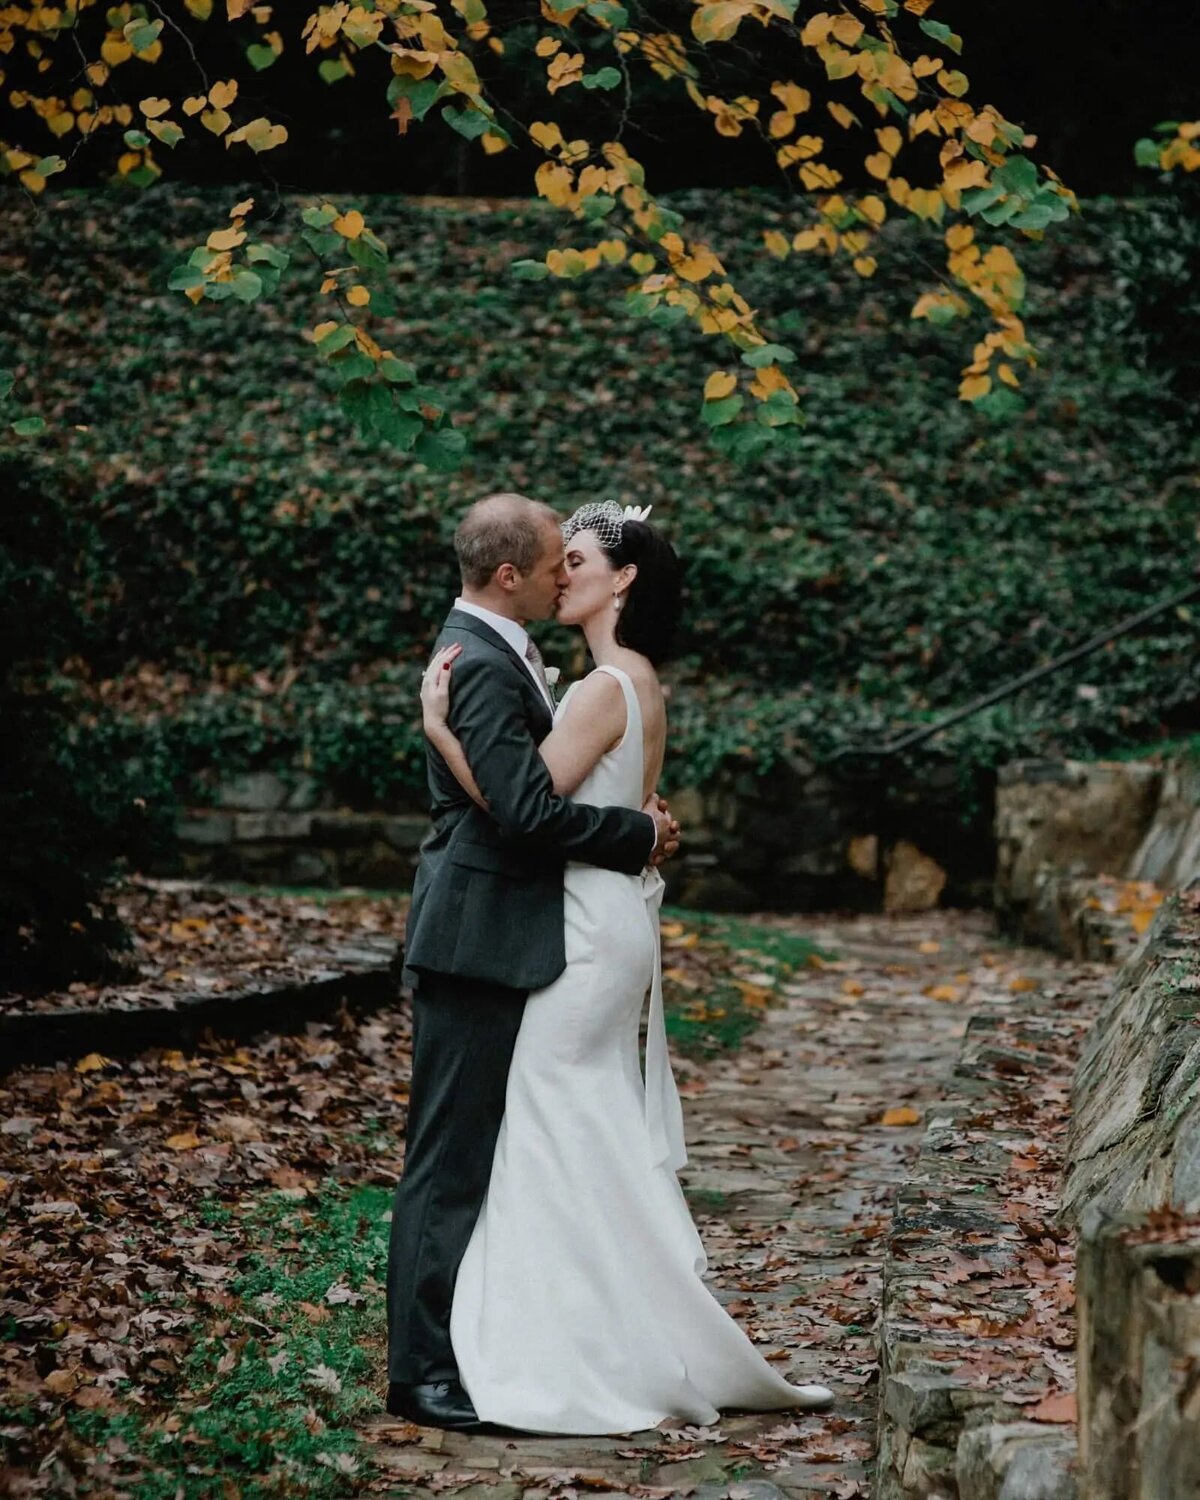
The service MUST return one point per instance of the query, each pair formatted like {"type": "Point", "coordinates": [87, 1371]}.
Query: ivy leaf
{"type": "Point", "coordinates": [940, 32]}
{"type": "Point", "coordinates": [468, 122]}
{"type": "Point", "coordinates": [719, 413]}
{"type": "Point", "coordinates": [7, 381]}
{"type": "Point", "coordinates": [530, 270]}
{"type": "Point", "coordinates": [606, 78]}
{"type": "Point", "coordinates": [442, 449]}
{"type": "Point", "coordinates": [260, 56]}
{"type": "Point", "coordinates": [29, 426]}
{"type": "Point", "coordinates": [768, 354]}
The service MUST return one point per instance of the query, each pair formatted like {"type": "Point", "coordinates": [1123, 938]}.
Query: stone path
{"type": "Point", "coordinates": [791, 1179]}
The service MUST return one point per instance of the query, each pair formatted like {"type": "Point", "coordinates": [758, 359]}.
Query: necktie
{"type": "Point", "coordinates": [534, 657]}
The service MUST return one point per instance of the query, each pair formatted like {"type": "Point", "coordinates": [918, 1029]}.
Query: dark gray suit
{"type": "Point", "coordinates": [485, 928]}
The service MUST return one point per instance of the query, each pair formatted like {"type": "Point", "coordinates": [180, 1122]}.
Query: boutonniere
{"type": "Point", "coordinates": [552, 675]}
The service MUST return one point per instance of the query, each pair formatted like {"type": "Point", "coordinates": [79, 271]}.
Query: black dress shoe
{"type": "Point", "coordinates": [439, 1403]}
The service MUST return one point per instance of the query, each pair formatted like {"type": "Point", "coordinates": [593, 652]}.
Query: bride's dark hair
{"type": "Point", "coordinates": [649, 616]}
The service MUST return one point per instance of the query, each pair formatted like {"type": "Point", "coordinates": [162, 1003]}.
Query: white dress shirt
{"type": "Point", "coordinates": [515, 634]}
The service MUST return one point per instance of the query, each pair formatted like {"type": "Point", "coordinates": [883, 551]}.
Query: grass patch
{"type": "Point", "coordinates": [720, 974]}
{"type": "Point", "coordinates": [270, 1389]}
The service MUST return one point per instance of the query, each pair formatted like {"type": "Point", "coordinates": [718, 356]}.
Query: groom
{"type": "Point", "coordinates": [486, 927]}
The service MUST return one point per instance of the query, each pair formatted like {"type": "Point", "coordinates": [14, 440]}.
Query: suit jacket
{"type": "Point", "coordinates": [488, 896]}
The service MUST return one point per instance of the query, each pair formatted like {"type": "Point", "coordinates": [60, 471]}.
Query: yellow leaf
{"type": "Point", "coordinates": [719, 385]}
{"type": "Point", "coordinates": [865, 265]}
{"type": "Point", "coordinates": [1007, 374]}
{"type": "Point", "coordinates": [776, 243]}
{"type": "Point", "coordinates": [879, 164]}
{"type": "Point", "coordinates": [219, 239]}
{"type": "Point", "coordinates": [959, 236]}
{"type": "Point", "coordinates": [974, 386]}
{"type": "Point", "coordinates": [844, 117]}
{"type": "Point", "coordinates": [718, 22]}
{"type": "Point", "coordinates": [115, 50]}
{"type": "Point", "coordinates": [547, 46]}
{"type": "Point", "coordinates": [768, 380]}
{"type": "Point", "coordinates": [186, 1140]}
{"type": "Point", "coordinates": [194, 105]}
{"type": "Point", "coordinates": [807, 239]}
{"type": "Point", "coordinates": [817, 29]}
{"type": "Point", "coordinates": [780, 124]}
{"type": "Point", "coordinates": [925, 65]}
{"type": "Point", "coordinates": [872, 208]}
{"type": "Point", "coordinates": [259, 135]}
{"type": "Point", "coordinates": [222, 95]}
{"type": "Point", "coordinates": [889, 139]}
{"type": "Point", "coordinates": [929, 946]}
{"type": "Point", "coordinates": [641, 263]}
{"type": "Point", "coordinates": [1020, 985]}
{"type": "Point", "coordinates": [493, 143]}
{"type": "Point", "coordinates": [903, 1114]}
{"type": "Point", "coordinates": [794, 99]}
{"type": "Point", "coordinates": [349, 225]}
{"type": "Point", "coordinates": [964, 174]}
{"type": "Point", "coordinates": [853, 987]}
{"type": "Point", "coordinates": [358, 296]}
{"type": "Point", "coordinates": [152, 108]}
{"type": "Point", "coordinates": [547, 136]}
{"type": "Point", "coordinates": [817, 176]}
{"type": "Point", "coordinates": [240, 210]}
{"type": "Point", "coordinates": [948, 992]}
{"type": "Point", "coordinates": [847, 30]}
{"type": "Point", "coordinates": [91, 1063]}
{"type": "Point", "coordinates": [954, 83]}
{"type": "Point", "coordinates": [216, 120]}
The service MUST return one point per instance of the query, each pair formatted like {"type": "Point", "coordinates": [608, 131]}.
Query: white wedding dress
{"type": "Point", "coordinates": [579, 1306]}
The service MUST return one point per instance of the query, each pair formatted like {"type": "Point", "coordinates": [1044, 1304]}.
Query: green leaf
{"type": "Point", "coordinates": [273, 257]}
{"type": "Point", "coordinates": [606, 78]}
{"type": "Point", "coordinates": [1017, 175]}
{"type": "Point", "coordinates": [142, 35]}
{"type": "Point", "coordinates": [469, 122]}
{"type": "Point", "coordinates": [260, 57]}
{"type": "Point", "coordinates": [29, 426]}
{"type": "Point", "coordinates": [975, 200]}
{"type": "Point", "coordinates": [940, 32]}
{"type": "Point", "coordinates": [48, 165]}
{"type": "Point", "coordinates": [333, 70]}
{"type": "Point", "coordinates": [337, 338]}
{"type": "Point", "coordinates": [422, 93]}
{"type": "Point", "coordinates": [136, 139]}
{"type": "Point", "coordinates": [718, 413]}
{"type": "Point", "coordinates": [7, 381]}
{"type": "Point", "coordinates": [397, 371]}
{"type": "Point", "coordinates": [246, 285]}
{"type": "Point", "coordinates": [530, 270]}
{"type": "Point", "coordinates": [318, 217]}
{"type": "Point", "coordinates": [369, 251]}
{"type": "Point", "coordinates": [599, 206]}
{"type": "Point", "coordinates": [442, 449]}
{"type": "Point", "coordinates": [768, 354]}
{"type": "Point", "coordinates": [356, 366]}
{"type": "Point", "coordinates": [183, 277]}
{"type": "Point", "coordinates": [778, 410]}
{"type": "Point", "coordinates": [609, 13]}
{"type": "Point", "coordinates": [1145, 152]}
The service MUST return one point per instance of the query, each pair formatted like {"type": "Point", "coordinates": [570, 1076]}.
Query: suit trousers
{"type": "Point", "coordinates": [464, 1031]}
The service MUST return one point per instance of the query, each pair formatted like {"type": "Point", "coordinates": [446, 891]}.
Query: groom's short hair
{"type": "Point", "coordinates": [500, 528]}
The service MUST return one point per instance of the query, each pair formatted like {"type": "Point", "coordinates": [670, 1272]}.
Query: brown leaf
{"type": "Point", "coordinates": [1058, 1406]}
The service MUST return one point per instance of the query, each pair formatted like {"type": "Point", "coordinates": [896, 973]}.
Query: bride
{"type": "Point", "coordinates": [579, 1305]}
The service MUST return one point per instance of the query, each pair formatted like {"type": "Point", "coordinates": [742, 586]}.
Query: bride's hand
{"type": "Point", "coordinates": [435, 687]}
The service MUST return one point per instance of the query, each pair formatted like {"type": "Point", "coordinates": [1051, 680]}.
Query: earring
{"type": "Point", "coordinates": [617, 603]}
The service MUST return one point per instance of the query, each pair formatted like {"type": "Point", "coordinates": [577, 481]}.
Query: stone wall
{"type": "Point", "coordinates": [798, 839]}
{"type": "Point", "coordinates": [1135, 1130]}
{"type": "Point", "coordinates": [1083, 848]}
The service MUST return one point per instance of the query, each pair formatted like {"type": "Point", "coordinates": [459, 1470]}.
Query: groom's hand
{"type": "Point", "coordinates": [666, 829]}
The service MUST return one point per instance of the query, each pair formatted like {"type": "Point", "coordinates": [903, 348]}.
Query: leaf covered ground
{"type": "Point", "coordinates": [192, 1250]}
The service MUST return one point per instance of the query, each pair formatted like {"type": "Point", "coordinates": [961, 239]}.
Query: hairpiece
{"type": "Point", "coordinates": [605, 518]}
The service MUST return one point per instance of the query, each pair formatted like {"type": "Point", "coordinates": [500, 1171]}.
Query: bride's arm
{"type": "Point", "coordinates": [593, 724]}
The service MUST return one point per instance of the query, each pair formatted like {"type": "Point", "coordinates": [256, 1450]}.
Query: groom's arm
{"type": "Point", "coordinates": [489, 718]}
